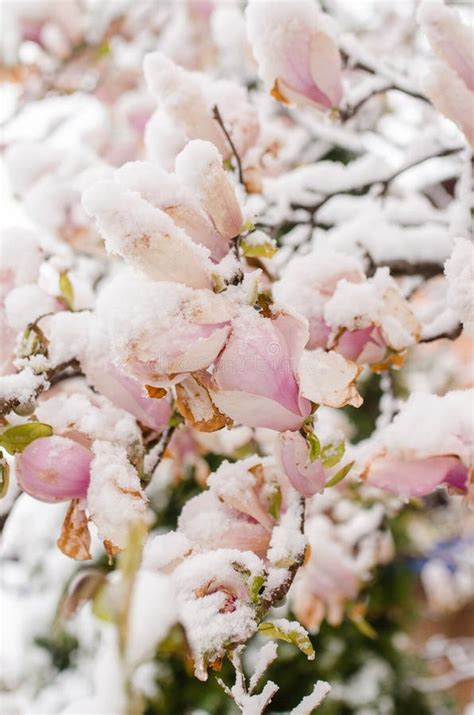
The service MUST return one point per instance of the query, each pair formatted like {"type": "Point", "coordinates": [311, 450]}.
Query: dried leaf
{"type": "Point", "coordinates": [155, 392]}
{"type": "Point", "coordinates": [75, 539]}
{"type": "Point", "coordinates": [195, 405]}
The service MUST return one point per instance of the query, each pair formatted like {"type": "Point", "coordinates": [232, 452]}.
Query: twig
{"type": "Point", "coordinates": [162, 446]}
{"type": "Point", "coordinates": [64, 370]}
{"type": "Point", "coordinates": [366, 68]}
{"type": "Point", "coordinates": [218, 118]}
{"type": "Point", "coordinates": [446, 152]}
{"type": "Point", "coordinates": [448, 335]}
{"type": "Point", "coordinates": [314, 208]}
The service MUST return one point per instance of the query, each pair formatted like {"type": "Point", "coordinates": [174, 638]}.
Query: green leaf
{"type": "Point", "coordinates": [255, 588]}
{"type": "Point", "coordinates": [4, 476]}
{"type": "Point", "coordinates": [275, 503]}
{"type": "Point", "coordinates": [66, 289]}
{"type": "Point", "coordinates": [258, 250]}
{"type": "Point", "coordinates": [331, 454]}
{"type": "Point", "coordinates": [15, 439]}
{"type": "Point", "coordinates": [365, 628]}
{"type": "Point", "coordinates": [314, 446]}
{"type": "Point", "coordinates": [295, 636]}
{"type": "Point", "coordinates": [339, 476]}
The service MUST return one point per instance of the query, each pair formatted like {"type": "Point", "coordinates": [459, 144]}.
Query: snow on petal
{"type": "Point", "coordinates": [327, 378]}
{"type": "Point", "coordinates": [146, 237]}
{"type": "Point", "coordinates": [199, 166]}
{"type": "Point", "coordinates": [459, 272]}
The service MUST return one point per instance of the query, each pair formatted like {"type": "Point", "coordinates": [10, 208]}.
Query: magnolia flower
{"type": "Point", "coordinates": [146, 237]}
{"type": "Point", "coordinates": [187, 99]}
{"type": "Point", "coordinates": [450, 85]}
{"type": "Point", "coordinates": [412, 462]}
{"type": "Point", "coordinates": [54, 469]}
{"type": "Point", "coordinates": [309, 281]}
{"type": "Point", "coordinates": [128, 394]}
{"type": "Point", "coordinates": [169, 193]}
{"type": "Point", "coordinates": [123, 391]}
{"type": "Point", "coordinates": [345, 544]}
{"type": "Point", "coordinates": [263, 377]}
{"type": "Point", "coordinates": [370, 318]}
{"type": "Point", "coordinates": [231, 553]}
{"type": "Point", "coordinates": [450, 39]}
{"type": "Point", "coordinates": [297, 56]}
{"type": "Point", "coordinates": [237, 506]}
{"type": "Point", "coordinates": [162, 329]}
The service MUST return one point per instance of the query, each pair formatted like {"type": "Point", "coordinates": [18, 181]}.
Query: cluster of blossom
{"type": "Point", "coordinates": [196, 264]}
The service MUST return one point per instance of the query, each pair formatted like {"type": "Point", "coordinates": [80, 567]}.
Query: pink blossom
{"type": "Point", "coordinates": [163, 329]}
{"type": "Point", "coordinates": [417, 477]}
{"type": "Point", "coordinates": [256, 374]}
{"type": "Point", "coordinates": [54, 469]}
{"type": "Point", "coordinates": [128, 394]}
{"type": "Point", "coordinates": [365, 345]}
{"type": "Point", "coordinates": [205, 516]}
{"type": "Point", "coordinates": [292, 453]}
{"type": "Point", "coordinates": [450, 85]}
{"type": "Point", "coordinates": [450, 39]}
{"type": "Point", "coordinates": [297, 57]}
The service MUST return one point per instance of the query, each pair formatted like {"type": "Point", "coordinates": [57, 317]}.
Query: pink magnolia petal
{"type": "Point", "coordinates": [319, 332]}
{"type": "Point", "coordinates": [417, 477]}
{"type": "Point", "coordinates": [326, 67]}
{"type": "Point", "coordinates": [293, 456]}
{"type": "Point", "coordinates": [54, 469]}
{"type": "Point", "coordinates": [258, 361]}
{"type": "Point", "coordinates": [365, 345]}
{"type": "Point", "coordinates": [128, 394]}
{"type": "Point", "coordinates": [257, 411]}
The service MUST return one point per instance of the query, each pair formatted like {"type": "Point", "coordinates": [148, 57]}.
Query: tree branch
{"type": "Point", "coordinates": [218, 118]}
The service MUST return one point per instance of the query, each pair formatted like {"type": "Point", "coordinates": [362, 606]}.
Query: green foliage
{"type": "Point", "coordinates": [16, 439]}
{"type": "Point", "coordinates": [61, 647]}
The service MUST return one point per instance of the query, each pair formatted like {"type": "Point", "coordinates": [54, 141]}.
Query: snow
{"type": "Point", "coordinates": [115, 499]}
{"type": "Point", "coordinates": [311, 702]}
{"type": "Point", "coordinates": [152, 613]}
{"type": "Point", "coordinates": [89, 414]}
{"type": "Point", "coordinates": [459, 272]}
{"type": "Point", "coordinates": [265, 657]}
{"type": "Point", "coordinates": [145, 236]}
{"type": "Point", "coordinates": [448, 426]}
{"type": "Point", "coordinates": [22, 386]}
{"type": "Point", "coordinates": [210, 624]}
{"type": "Point", "coordinates": [26, 303]}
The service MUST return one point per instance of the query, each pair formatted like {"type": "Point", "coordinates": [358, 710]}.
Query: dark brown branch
{"type": "Point", "coordinates": [218, 118]}
{"type": "Point", "coordinates": [314, 208]}
{"type": "Point", "coordinates": [370, 70]}
{"type": "Point", "coordinates": [162, 446]}
{"type": "Point", "coordinates": [451, 335]}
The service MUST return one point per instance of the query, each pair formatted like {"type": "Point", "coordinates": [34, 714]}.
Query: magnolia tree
{"type": "Point", "coordinates": [236, 310]}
